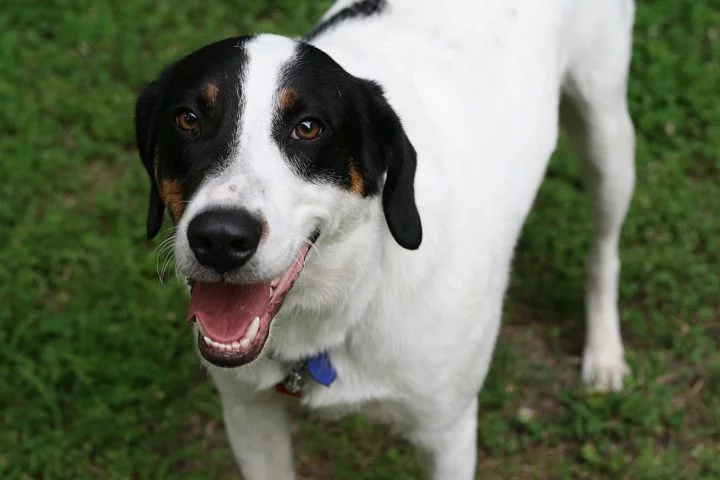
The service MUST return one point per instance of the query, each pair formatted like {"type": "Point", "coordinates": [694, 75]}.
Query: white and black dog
{"type": "Point", "coordinates": [346, 205]}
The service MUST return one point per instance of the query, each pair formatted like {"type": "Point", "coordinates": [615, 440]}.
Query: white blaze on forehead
{"type": "Point", "coordinates": [255, 164]}
{"type": "Point", "coordinates": [266, 57]}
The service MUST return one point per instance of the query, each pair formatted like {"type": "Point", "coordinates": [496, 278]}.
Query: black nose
{"type": "Point", "coordinates": [224, 239]}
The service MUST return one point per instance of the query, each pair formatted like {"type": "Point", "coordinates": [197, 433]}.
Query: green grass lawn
{"type": "Point", "coordinates": [98, 378]}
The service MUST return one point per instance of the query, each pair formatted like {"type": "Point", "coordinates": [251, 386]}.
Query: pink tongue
{"type": "Point", "coordinates": [225, 311]}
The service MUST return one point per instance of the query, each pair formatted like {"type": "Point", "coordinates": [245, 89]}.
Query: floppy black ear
{"type": "Point", "coordinates": [392, 145]}
{"type": "Point", "coordinates": [145, 134]}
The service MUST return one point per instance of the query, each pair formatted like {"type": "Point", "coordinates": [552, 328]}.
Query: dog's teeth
{"type": "Point", "coordinates": [275, 282]}
{"type": "Point", "coordinates": [252, 331]}
{"type": "Point", "coordinates": [236, 346]}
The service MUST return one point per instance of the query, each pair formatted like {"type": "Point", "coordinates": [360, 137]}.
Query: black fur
{"type": "Point", "coordinates": [145, 130]}
{"type": "Point", "coordinates": [391, 142]}
{"type": "Point", "coordinates": [329, 94]}
{"type": "Point", "coordinates": [364, 8]}
{"type": "Point", "coordinates": [180, 86]}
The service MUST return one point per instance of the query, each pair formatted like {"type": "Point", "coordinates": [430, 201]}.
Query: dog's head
{"type": "Point", "coordinates": [258, 146]}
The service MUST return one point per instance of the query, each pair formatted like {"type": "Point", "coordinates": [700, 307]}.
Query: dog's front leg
{"type": "Point", "coordinates": [257, 428]}
{"type": "Point", "coordinates": [451, 443]}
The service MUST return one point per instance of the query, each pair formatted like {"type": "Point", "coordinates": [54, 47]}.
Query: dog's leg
{"type": "Point", "coordinates": [595, 114]}
{"type": "Point", "coordinates": [451, 445]}
{"type": "Point", "coordinates": [256, 425]}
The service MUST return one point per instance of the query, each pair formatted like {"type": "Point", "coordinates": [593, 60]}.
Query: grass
{"type": "Point", "coordinates": [97, 375]}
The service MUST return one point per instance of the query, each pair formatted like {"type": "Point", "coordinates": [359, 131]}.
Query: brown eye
{"type": "Point", "coordinates": [308, 129]}
{"type": "Point", "coordinates": [187, 120]}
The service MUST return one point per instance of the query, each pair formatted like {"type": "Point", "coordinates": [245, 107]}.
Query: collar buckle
{"type": "Point", "coordinates": [294, 382]}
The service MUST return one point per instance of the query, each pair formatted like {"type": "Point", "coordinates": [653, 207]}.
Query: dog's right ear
{"type": "Point", "coordinates": [146, 112]}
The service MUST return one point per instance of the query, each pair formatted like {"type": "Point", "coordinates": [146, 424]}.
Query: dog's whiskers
{"type": "Point", "coordinates": [164, 256]}
{"type": "Point", "coordinates": [306, 241]}
{"type": "Point", "coordinates": [169, 259]}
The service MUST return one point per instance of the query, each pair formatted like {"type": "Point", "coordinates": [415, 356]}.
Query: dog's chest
{"type": "Point", "coordinates": [358, 392]}
{"type": "Point", "coordinates": [358, 380]}
{"type": "Point", "coordinates": [362, 383]}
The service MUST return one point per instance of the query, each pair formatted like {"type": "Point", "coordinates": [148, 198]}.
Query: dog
{"type": "Point", "coordinates": [346, 205]}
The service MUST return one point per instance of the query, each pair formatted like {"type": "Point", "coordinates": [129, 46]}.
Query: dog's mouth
{"type": "Point", "coordinates": [234, 320]}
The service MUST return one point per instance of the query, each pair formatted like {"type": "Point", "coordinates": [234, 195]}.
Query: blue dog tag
{"type": "Point", "coordinates": [321, 370]}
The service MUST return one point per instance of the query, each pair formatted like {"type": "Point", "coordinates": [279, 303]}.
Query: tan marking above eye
{"type": "Point", "coordinates": [308, 129]}
{"type": "Point", "coordinates": [288, 98]}
{"type": "Point", "coordinates": [187, 120]}
{"type": "Point", "coordinates": [210, 92]}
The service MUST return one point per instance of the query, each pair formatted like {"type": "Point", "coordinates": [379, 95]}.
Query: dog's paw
{"type": "Point", "coordinates": [604, 371]}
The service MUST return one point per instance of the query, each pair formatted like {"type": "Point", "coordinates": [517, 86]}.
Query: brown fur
{"type": "Point", "coordinates": [288, 98]}
{"type": "Point", "coordinates": [210, 93]}
{"type": "Point", "coordinates": [171, 194]}
{"type": "Point", "coordinates": [357, 184]}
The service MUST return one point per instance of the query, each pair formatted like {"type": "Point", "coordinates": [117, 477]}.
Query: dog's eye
{"type": "Point", "coordinates": [308, 129]}
{"type": "Point", "coordinates": [188, 121]}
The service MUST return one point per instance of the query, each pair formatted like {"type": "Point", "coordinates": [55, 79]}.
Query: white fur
{"type": "Point", "coordinates": [478, 85]}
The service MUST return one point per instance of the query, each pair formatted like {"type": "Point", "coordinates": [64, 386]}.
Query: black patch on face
{"type": "Point", "coordinates": [323, 91]}
{"type": "Point", "coordinates": [361, 135]}
{"type": "Point", "coordinates": [207, 82]}
{"type": "Point", "coordinates": [364, 8]}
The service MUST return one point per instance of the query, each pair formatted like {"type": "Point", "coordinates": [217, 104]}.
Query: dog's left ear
{"type": "Point", "coordinates": [387, 141]}
{"type": "Point", "coordinates": [146, 111]}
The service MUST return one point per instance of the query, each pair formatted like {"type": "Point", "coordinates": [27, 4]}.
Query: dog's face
{"type": "Point", "coordinates": [258, 147]}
